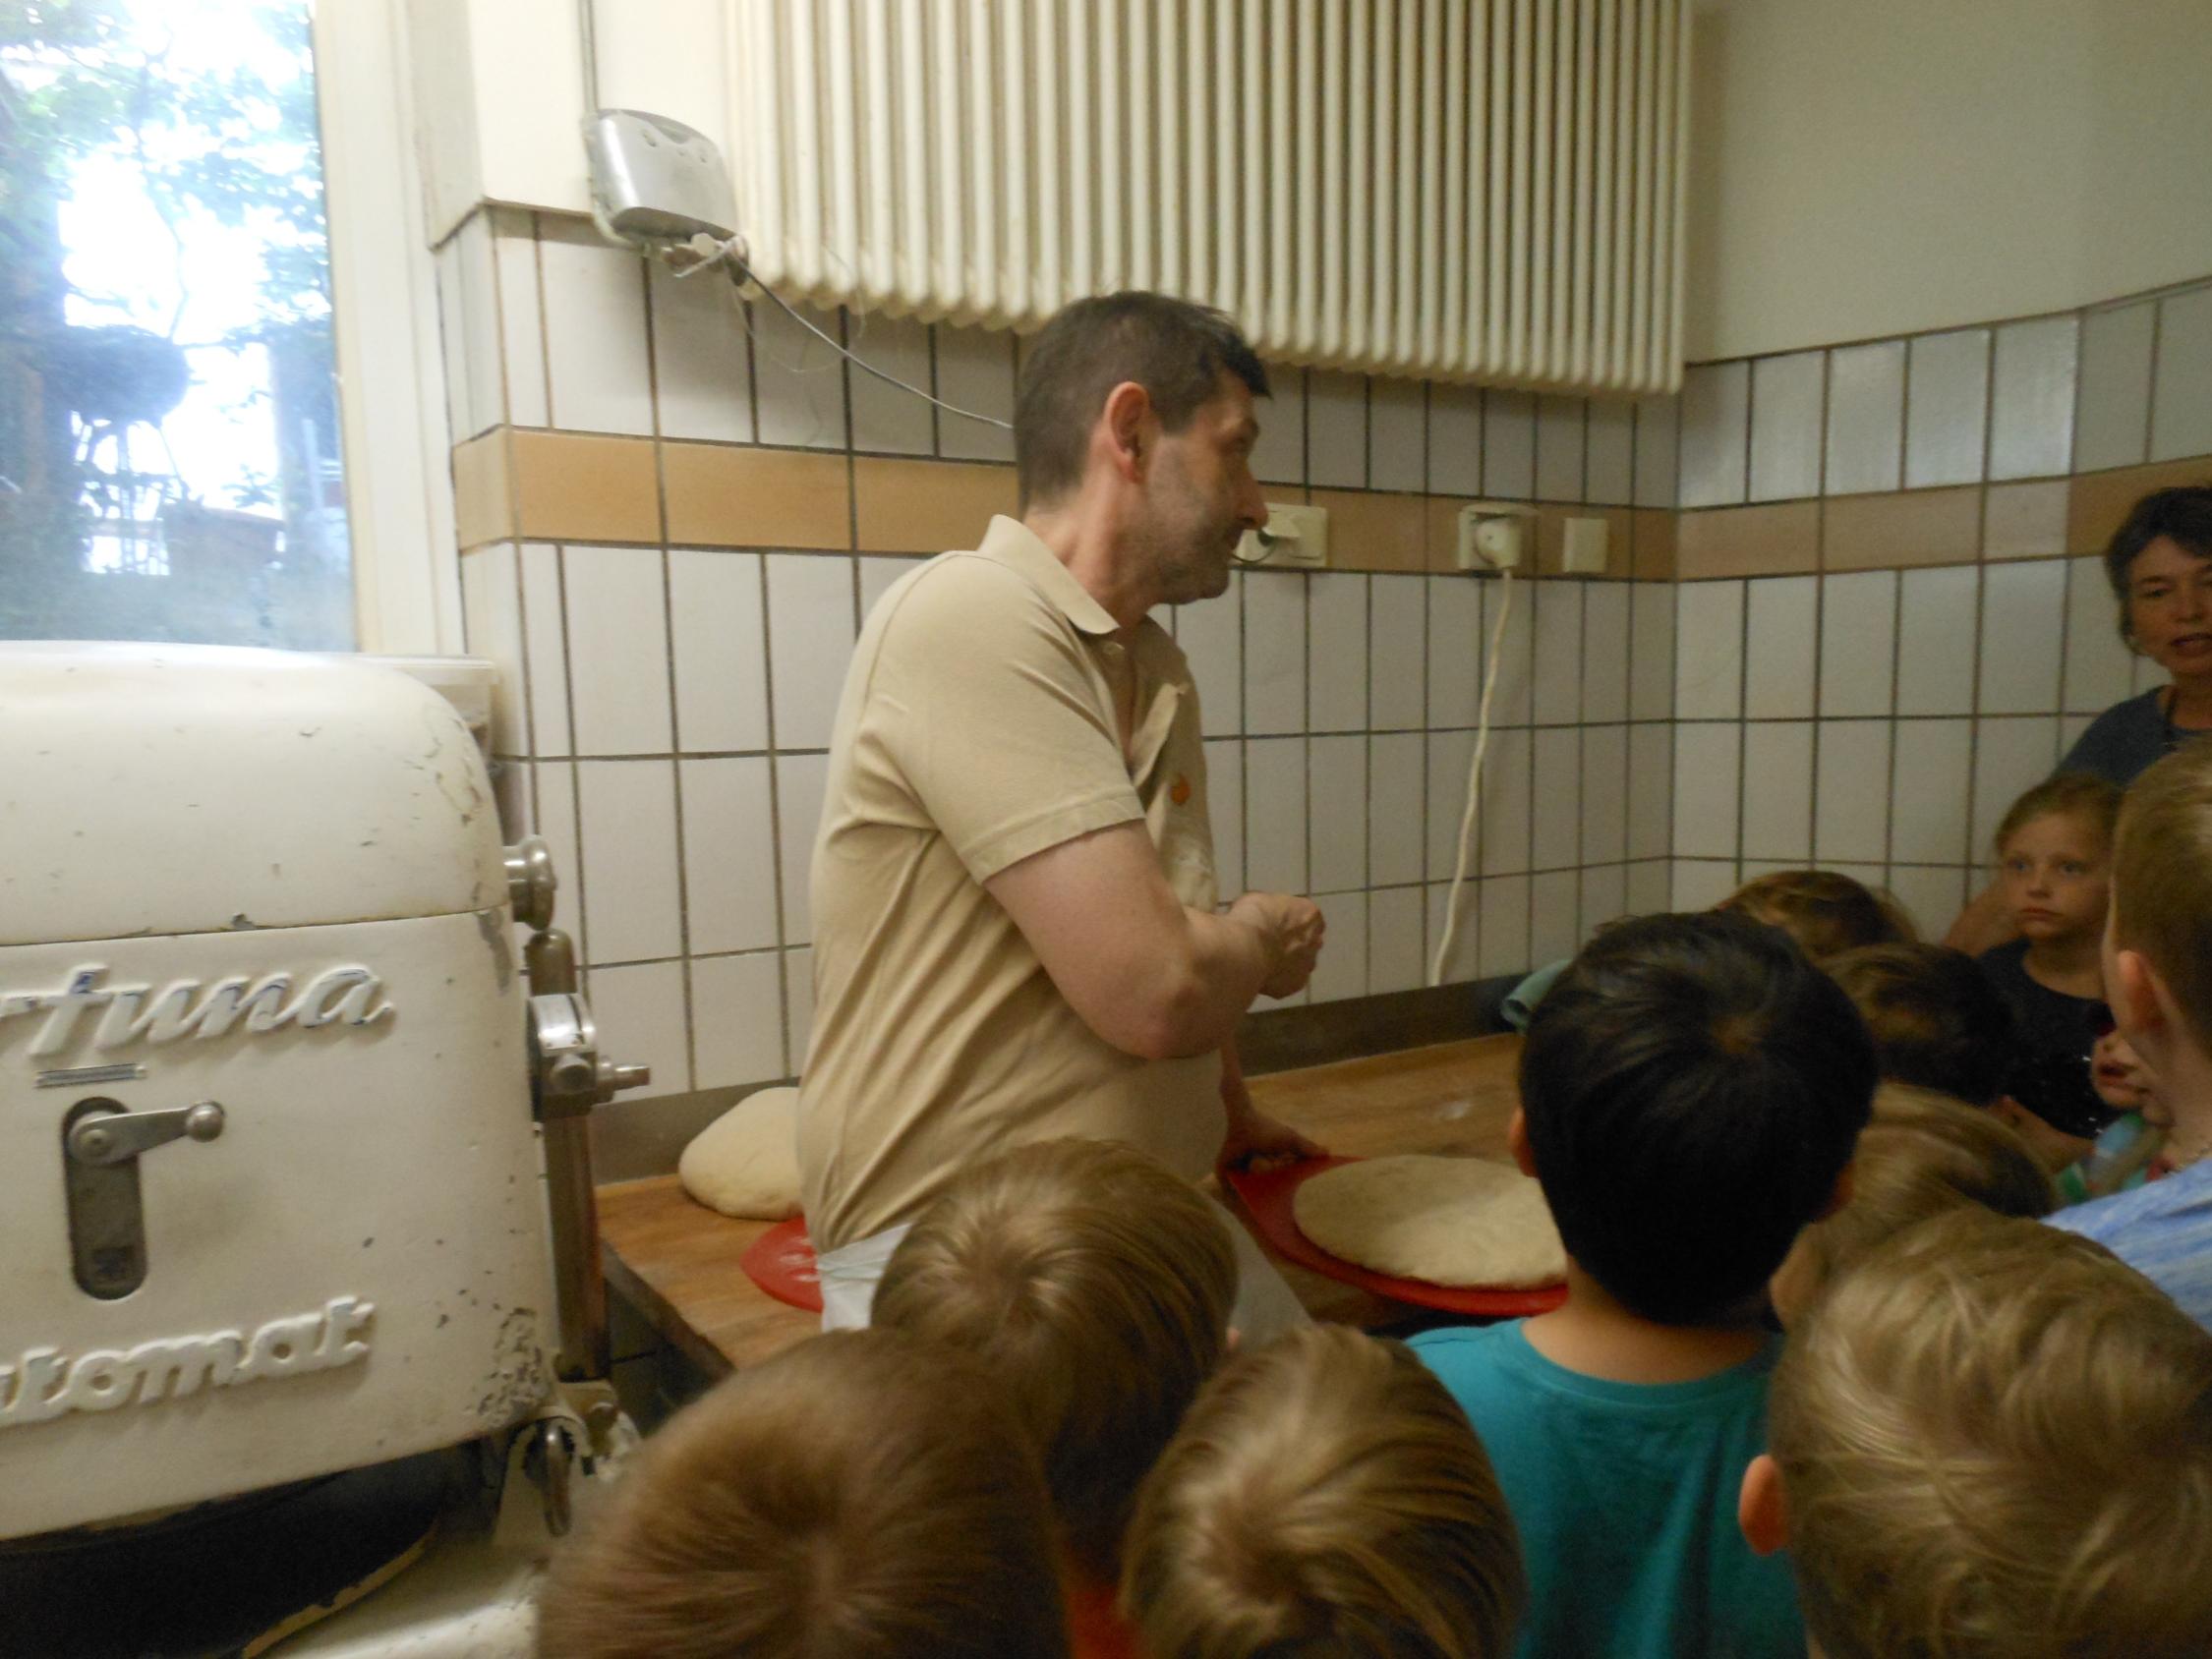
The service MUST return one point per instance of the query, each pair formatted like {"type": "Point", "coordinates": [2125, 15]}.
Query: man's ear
{"type": "Point", "coordinates": [1517, 1142]}
{"type": "Point", "coordinates": [1760, 1510]}
{"type": "Point", "coordinates": [1127, 427]}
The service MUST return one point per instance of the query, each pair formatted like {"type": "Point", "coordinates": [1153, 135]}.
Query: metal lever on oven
{"type": "Point", "coordinates": [102, 1143]}
{"type": "Point", "coordinates": [104, 1138]}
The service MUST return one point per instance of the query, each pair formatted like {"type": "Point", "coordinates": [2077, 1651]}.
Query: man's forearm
{"type": "Point", "coordinates": [1224, 963]}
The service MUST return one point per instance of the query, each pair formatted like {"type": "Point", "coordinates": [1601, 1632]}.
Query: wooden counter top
{"type": "Point", "coordinates": [676, 1261]}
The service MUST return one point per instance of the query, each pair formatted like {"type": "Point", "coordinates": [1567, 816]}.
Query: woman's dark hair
{"type": "Point", "coordinates": [2181, 515]}
{"type": "Point", "coordinates": [1693, 1086]}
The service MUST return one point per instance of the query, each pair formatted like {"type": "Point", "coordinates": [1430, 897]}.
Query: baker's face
{"type": "Point", "coordinates": [2170, 608]}
{"type": "Point", "coordinates": [1201, 496]}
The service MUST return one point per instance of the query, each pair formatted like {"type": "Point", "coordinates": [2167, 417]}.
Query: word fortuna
{"type": "Point", "coordinates": [46, 1384]}
{"type": "Point", "coordinates": [188, 1007]}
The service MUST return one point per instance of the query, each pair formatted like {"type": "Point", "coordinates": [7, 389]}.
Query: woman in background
{"type": "Point", "coordinates": [2160, 566]}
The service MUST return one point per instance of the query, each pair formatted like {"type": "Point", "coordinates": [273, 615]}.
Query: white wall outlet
{"type": "Point", "coordinates": [1584, 554]}
{"type": "Point", "coordinates": [1296, 535]}
{"type": "Point", "coordinates": [1493, 538]}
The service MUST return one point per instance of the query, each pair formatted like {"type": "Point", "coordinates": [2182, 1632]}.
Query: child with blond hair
{"type": "Point", "coordinates": [2157, 959]}
{"type": "Point", "coordinates": [1324, 1495]}
{"type": "Point", "coordinates": [1922, 1154]}
{"type": "Point", "coordinates": [1992, 1441]}
{"type": "Point", "coordinates": [1094, 1287]}
{"type": "Point", "coordinates": [2054, 851]}
{"type": "Point", "coordinates": [856, 1495]}
{"type": "Point", "coordinates": [1690, 1094]}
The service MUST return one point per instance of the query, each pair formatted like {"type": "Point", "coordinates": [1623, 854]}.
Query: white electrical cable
{"type": "Point", "coordinates": [1473, 782]}
{"type": "Point", "coordinates": [731, 254]}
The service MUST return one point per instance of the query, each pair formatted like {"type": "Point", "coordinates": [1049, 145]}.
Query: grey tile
{"type": "Point", "coordinates": [1610, 457]}
{"type": "Point", "coordinates": [1946, 406]}
{"type": "Point", "coordinates": [1336, 430]}
{"type": "Point", "coordinates": [1559, 448]}
{"type": "Point", "coordinates": [1455, 440]}
{"type": "Point", "coordinates": [1714, 419]}
{"type": "Point", "coordinates": [1866, 418]}
{"type": "Point", "coordinates": [2181, 396]}
{"type": "Point", "coordinates": [1509, 445]}
{"type": "Point", "coordinates": [2031, 398]}
{"type": "Point", "coordinates": [1397, 435]}
{"type": "Point", "coordinates": [2114, 417]}
{"type": "Point", "coordinates": [1279, 457]}
{"type": "Point", "coordinates": [1786, 426]}
{"type": "Point", "coordinates": [1658, 449]}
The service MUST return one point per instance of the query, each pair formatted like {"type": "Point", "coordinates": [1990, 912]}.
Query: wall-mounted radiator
{"type": "Point", "coordinates": [1456, 188]}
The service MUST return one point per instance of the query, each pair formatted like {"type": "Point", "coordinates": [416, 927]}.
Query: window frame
{"type": "Point", "coordinates": [384, 324]}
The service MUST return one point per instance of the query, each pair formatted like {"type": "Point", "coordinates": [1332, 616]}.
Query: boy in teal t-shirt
{"type": "Point", "coordinates": [1691, 1092]}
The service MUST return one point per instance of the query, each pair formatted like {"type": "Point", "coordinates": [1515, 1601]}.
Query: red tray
{"type": "Point", "coordinates": [1267, 1196]}
{"type": "Point", "coordinates": [781, 1261]}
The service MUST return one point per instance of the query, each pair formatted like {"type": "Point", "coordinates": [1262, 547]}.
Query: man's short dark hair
{"type": "Point", "coordinates": [1175, 350]}
{"type": "Point", "coordinates": [1936, 1019]}
{"type": "Point", "coordinates": [2181, 515]}
{"type": "Point", "coordinates": [1693, 1087]}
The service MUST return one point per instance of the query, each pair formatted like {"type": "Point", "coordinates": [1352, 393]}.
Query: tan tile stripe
{"type": "Point", "coordinates": [720, 496]}
{"type": "Point", "coordinates": [534, 485]}
{"type": "Point", "coordinates": [1916, 527]}
{"type": "Point", "coordinates": [926, 506]}
{"type": "Point", "coordinates": [1769, 541]}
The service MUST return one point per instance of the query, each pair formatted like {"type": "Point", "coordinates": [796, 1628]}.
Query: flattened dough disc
{"type": "Point", "coordinates": [1449, 1221]}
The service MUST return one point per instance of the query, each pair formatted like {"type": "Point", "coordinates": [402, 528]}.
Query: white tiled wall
{"type": "Point", "coordinates": [668, 709]}
{"type": "Point", "coordinates": [1902, 713]}
{"type": "Point", "coordinates": [1881, 721]}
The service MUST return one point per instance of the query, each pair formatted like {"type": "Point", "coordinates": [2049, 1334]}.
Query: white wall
{"type": "Point", "coordinates": [500, 90]}
{"type": "Point", "coordinates": [1870, 167]}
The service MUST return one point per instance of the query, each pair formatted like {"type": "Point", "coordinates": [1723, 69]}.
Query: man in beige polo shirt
{"type": "Point", "coordinates": [1016, 932]}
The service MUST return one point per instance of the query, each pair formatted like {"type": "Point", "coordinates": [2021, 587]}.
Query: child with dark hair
{"type": "Point", "coordinates": [1937, 1021]}
{"type": "Point", "coordinates": [1825, 910]}
{"type": "Point", "coordinates": [1691, 1091]}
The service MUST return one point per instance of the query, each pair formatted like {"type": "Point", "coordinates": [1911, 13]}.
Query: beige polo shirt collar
{"type": "Point", "coordinates": [1015, 545]}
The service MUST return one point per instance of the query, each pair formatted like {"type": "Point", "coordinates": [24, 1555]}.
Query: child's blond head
{"type": "Point", "coordinates": [1325, 1497]}
{"type": "Point", "coordinates": [1994, 1441]}
{"type": "Point", "coordinates": [1095, 1287]}
{"type": "Point", "coordinates": [856, 1495]}
{"type": "Point", "coordinates": [1920, 1155]}
{"type": "Point", "coordinates": [1824, 911]}
{"type": "Point", "coordinates": [2090, 800]}
{"type": "Point", "coordinates": [2161, 879]}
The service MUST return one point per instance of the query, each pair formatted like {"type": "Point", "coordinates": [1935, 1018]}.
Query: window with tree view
{"type": "Point", "coordinates": [169, 445]}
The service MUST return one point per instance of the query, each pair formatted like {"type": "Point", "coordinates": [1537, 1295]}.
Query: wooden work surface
{"type": "Point", "coordinates": [676, 1261]}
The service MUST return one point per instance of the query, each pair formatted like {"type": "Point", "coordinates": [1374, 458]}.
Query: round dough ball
{"type": "Point", "coordinates": [1455, 1221]}
{"type": "Point", "coordinates": [745, 1162]}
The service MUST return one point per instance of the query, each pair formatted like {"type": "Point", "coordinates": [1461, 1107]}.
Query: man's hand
{"type": "Point", "coordinates": [1253, 1139]}
{"type": "Point", "coordinates": [1257, 1141]}
{"type": "Point", "coordinates": [1289, 932]}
